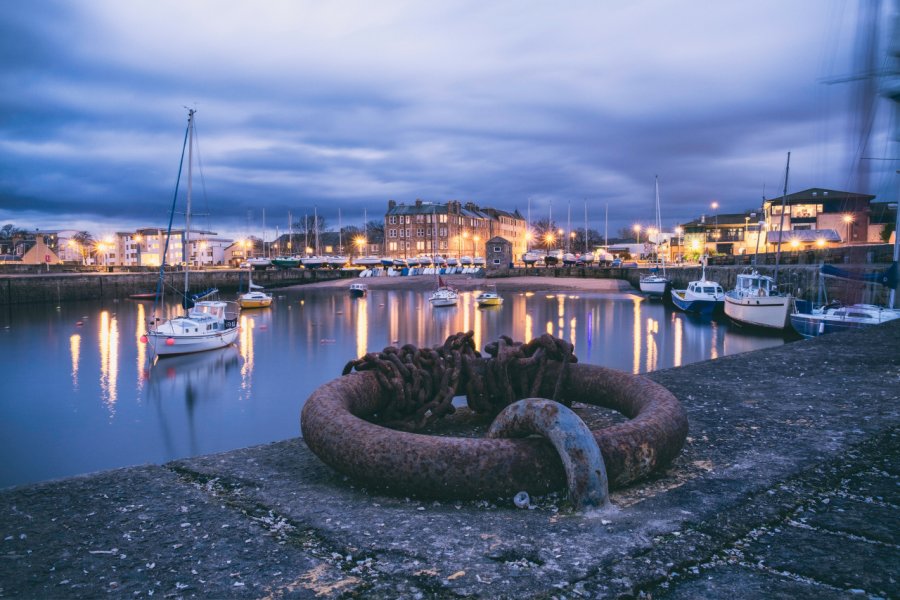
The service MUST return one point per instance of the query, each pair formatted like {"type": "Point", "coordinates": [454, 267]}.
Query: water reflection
{"type": "Point", "coordinates": [109, 360]}
{"type": "Point", "coordinates": [75, 351]}
{"type": "Point", "coordinates": [177, 387]}
{"type": "Point", "coordinates": [202, 403]}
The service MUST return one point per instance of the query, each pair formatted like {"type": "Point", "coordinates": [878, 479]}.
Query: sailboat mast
{"type": "Point", "coordinates": [528, 228]}
{"type": "Point", "coordinates": [316, 225]}
{"type": "Point", "coordinates": [569, 227]}
{"type": "Point", "coordinates": [187, 213]}
{"type": "Point", "coordinates": [606, 228]}
{"type": "Point", "coordinates": [585, 228]}
{"type": "Point", "coordinates": [340, 234]}
{"type": "Point", "coordinates": [787, 170]}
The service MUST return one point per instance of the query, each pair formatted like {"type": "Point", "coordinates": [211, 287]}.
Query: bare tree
{"type": "Point", "coordinates": [86, 245]}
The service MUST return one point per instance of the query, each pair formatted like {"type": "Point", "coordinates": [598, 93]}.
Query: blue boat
{"type": "Point", "coordinates": [702, 297]}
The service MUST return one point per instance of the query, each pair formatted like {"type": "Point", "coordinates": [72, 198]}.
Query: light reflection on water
{"type": "Point", "coordinates": [71, 408]}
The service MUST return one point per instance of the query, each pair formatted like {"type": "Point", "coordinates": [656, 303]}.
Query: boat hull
{"type": "Point", "coordinates": [255, 302]}
{"type": "Point", "coordinates": [286, 263]}
{"type": "Point", "coordinates": [187, 344]}
{"type": "Point", "coordinates": [700, 307]}
{"type": "Point", "coordinates": [810, 325]}
{"type": "Point", "coordinates": [770, 312]}
{"type": "Point", "coordinates": [489, 302]}
{"type": "Point", "coordinates": [654, 287]}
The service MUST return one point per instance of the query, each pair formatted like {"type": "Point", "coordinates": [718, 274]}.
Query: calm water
{"type": "Point", "coordinates": [77, 396]}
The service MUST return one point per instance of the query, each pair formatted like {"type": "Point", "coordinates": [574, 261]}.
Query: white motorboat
{"type": "Point", "coordinates": [207, 324]}
{"type": "Point", "coordinates": [833, 318]}
{"type": "Point", "coordinates": [367, 261]}
{"type": "Point", "coordinates": [358, 290]}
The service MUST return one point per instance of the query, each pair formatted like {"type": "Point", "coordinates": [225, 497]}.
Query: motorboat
{"type": "Point", "coordinates": [259, 262]}
{"type": "Point", "coordinates": [335, 262]}
{"type": "Point", "coordinates": [313, 262]}
{"type": "Point", "coordinates": [489, 298]}
{"type": "Point", "coordinates": [530, 258]}
{"type": "Point", "coordinates": [358, 290]}
{"type": "Point", "coordinates": [569, 259]}
{"type": "Point", "coordinates": [465, 261]}
{"type": "Point", "coordinates": [835, 317]}
{"type": "Point", "coordinates": [479, 261]}
{"type": "Point", "coordinates": [701, 296]}
{"type": "Point", "coordinates": [755, 300]}
{"type": "Point", "coordinates": [654, 284]}
{"type": "Point", "coordinates": [367, 261]}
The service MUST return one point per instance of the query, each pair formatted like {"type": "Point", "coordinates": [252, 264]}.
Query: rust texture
{"type": "Point", "coordinates": [334, 426]}
{"type": "Point", "coordinates": [574, 442]}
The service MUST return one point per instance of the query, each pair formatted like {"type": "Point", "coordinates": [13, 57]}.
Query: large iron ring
{"type": "Point", "coordinates": [467, 468]}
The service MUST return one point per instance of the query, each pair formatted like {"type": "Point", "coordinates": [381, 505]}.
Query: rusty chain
{"type": "Point", "coordinates": [422, 382]}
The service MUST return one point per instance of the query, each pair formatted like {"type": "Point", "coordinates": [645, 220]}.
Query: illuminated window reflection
{"type": "Point", "coordinates": [75, 349]}
{"type": "Point", "coordinates": [109, 360]}
{"type": "Point", "coordinates": [362, 327]}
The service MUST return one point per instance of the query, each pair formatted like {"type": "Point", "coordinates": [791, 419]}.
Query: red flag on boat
{"type": "Point", "coordinates": [441, 282]}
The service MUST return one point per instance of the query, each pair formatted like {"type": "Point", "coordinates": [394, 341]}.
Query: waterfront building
{"type": "Point", "coordinates": [145, 248]}
{"type": "Point", "coordinates": [449, 229]}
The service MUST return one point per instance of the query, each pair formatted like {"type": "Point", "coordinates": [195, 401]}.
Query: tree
{"type": "Point", "coordinates": [86, 245]}
{"type": "Point", "coordinates": [545, 232]}
{"type": "Point", "coordinates": [375, 231]}
{"type": "Point", "coordinates": [886, 232]}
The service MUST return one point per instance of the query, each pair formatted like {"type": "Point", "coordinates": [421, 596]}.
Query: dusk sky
{"type": "Point", "coordinates": [327, 105]}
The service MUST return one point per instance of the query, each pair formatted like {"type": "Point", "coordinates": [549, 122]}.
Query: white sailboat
{"type": "Point", "coordinates": [206, 324]}
{"type": "Point", "coordinates": [756, 299]}
{"type": "Point", "coordinates": [444, 295]}
{"type": "Point", "coordinates": [655, 283]}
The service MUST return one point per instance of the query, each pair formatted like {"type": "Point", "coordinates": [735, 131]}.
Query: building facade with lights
{"type": "Point", "coordinates": [450, 229]}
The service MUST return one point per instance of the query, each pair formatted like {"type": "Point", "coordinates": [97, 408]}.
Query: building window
{"type": "Point", "coordinates": [442, 231]}
{"type": "Point", "coordinates": [420, 246]}
{"type": "Point", "coordinates": [442, 218]}
{"type": "Point", "coordinates": [392, 220]}
{"type": "Point", "coordinates": [420, 218]}
{"type": "Point", "coordinates": [407, 229]}
{"type": "Point", "coordinates": [420, 231]}
{"type": "Point", "coordinates": [496, 261]}
{"type": "Point", "coordinates": [497, 249]}
{"type": "Point", "coordinates": [392, 233]}
{"type": "Point", "coordinates": [392, 246]}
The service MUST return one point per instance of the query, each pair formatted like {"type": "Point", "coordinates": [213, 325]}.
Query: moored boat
{"type": "Point", "coordinates": [358, 290]}
{"type": "Point", "coordinates": [834, 318]}
{"type": "Point", "coordinates": [206, 324]}
{"type": "Point", "coordinates": [286, 262]}
{"type": "Point", "coordinates": [489, 298]}
{"type": "Point", "coordinates": [701, 296]}
{"type": "Point", "coordinates": [756, 300]}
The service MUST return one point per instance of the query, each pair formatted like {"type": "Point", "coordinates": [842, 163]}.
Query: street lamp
{"type": "Point", "coordinates": [848, 219]}
{"type": "Point", "coordinates": [637, 231]}
{"type": "Point", "coordinates": [549, 238]}
{"type": "Point", "coordinates": [475, 241]}
{"type": "Point", "coordinates": [360, 242]}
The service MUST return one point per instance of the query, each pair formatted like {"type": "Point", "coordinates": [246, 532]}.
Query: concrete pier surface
{"type": "Point", "coordinates": [786, 488]}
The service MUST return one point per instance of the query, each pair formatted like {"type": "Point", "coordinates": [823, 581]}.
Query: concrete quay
{"type": "Point", "coordinates": [786, 488]}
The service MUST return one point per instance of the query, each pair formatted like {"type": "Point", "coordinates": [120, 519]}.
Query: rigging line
{"type": "Point", "coordinates": [202, 181]}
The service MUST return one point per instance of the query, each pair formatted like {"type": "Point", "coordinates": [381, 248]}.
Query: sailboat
{"type": "Point", "coordinates": [287, 261]}
{"type": "Point", "coordinates": [206, 324]}
{"type": "Point", "coordinates": [756, 299]}
{"type": "Point", "coordinates": [254, 297]}
{"type": "Point", "coordinates": [444, 295]}
{"type": "Point", "coordinates": [654, 284]}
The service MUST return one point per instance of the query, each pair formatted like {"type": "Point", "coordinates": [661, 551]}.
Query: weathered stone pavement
{"type": "Point", "coordinates": [787, 488]}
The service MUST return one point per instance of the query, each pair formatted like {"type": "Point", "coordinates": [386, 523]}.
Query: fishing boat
{"type": "Point", "coordinates": [489, 298]}
{"type": "Point", "coordinates": [655, 283]}
{"type": "Point", "coordinates": [206, 324]}
{"type": "Point", "coordinates": [702, 297]}
{"type": "Point", "coordinates": [358, 290]}
{"type": "Point", "coordinates": [254, 297]}
{"type": "Point", "coordinates": [756, 299]}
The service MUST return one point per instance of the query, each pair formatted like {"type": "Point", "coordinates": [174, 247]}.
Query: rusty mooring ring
{"type": "Point", "coordinates": [467, 468]}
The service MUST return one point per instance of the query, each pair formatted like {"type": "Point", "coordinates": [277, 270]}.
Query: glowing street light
{"type": "Point", "coordinates": [549, 238]}
{"type": "Point", "coordinates": [848, 219]}
{"type": "Point", "coordinates": [637, 230]}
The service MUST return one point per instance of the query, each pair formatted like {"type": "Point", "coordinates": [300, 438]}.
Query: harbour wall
{"type": "Point", "coordinates": [67, 287]}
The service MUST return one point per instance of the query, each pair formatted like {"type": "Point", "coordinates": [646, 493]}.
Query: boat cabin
{"type": "Point", "coordinates": [754, 284]}
{"type": "Point", "coordinates": [709, 288]}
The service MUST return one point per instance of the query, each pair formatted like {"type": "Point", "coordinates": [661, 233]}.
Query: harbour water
{"type": "Point", "coordinates": [78, 395]}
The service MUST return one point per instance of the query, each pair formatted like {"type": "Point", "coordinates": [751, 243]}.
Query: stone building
{"type": "Point", "coordinates": [450, 229]}
{"type": "Point", "coordinates": [498, 253]}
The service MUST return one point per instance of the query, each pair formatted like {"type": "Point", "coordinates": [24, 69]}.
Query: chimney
{"type": "Point", "coordinates": [418, 203]}
{"type": "Point", "coordinates": [391, 204]}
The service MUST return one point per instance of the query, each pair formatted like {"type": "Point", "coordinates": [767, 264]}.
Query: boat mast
{"type": "Point", "coordinates": [606, 228]}
{"type": "Point", "coordinates": [569, 227]}
{"type": "Point", "coordinates": [585, 228]}
{"type": "Point", "coordinates": [340, 234]}
{"type": "Point", "coordinates": [787, 170]}
{"type": "Point", "coordinates": [187, 213]}
{"type": "Point", "coordinates": [316, 225]}
{"type": "Point", "coordinates": [528, 228]}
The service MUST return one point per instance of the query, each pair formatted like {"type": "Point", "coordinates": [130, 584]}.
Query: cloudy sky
{"type": "Point", "coordinates": [307, 106]}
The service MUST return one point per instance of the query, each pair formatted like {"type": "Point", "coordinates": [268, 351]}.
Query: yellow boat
{"type": "Point", "coordinates": [489, 298]}
{"type": "Point", "coordinates": [255, 297]}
